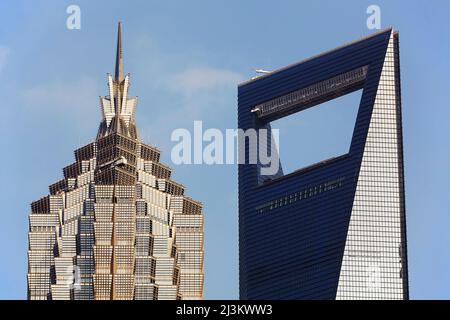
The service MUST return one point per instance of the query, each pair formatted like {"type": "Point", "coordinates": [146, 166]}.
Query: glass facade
{"type": "Point", "coordinates": [117, 226]}
{"type": "Point", "coordinates": [336, 229]}
{"type": "Point", "coordinates": [372, 267]}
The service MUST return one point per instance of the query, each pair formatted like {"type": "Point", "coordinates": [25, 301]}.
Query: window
{"type": "Point", "coordinates": [318, 133]}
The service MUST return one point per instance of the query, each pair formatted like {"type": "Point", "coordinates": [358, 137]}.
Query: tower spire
{"type": "Point", "coordinates": [119, 58]}
{"type": "Point", "coordinates": [117, 107]}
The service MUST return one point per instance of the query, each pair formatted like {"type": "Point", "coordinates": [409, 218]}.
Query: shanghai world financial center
{"type": "Point", "coordinates": [333, 230]}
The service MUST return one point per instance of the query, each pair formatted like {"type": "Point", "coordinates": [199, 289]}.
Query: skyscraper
{"type": "Point", "coordinates": [335, 229]}
{"type": "Point", "coordinates": [116, 226]}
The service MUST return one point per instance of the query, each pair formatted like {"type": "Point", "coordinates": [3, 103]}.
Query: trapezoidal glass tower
{"type": "Point", "coordinates": [336, 229]}
{"type": "Point", "coordinates": [116, 226]}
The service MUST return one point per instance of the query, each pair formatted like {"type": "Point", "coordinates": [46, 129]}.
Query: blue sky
{"type": "Point", "coordinates": [185, 60]}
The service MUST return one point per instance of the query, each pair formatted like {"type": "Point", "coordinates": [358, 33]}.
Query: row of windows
{"type": "Point", "coordinates": [300, 195]}
{"type": "Point", "coordinates": [314, 91]}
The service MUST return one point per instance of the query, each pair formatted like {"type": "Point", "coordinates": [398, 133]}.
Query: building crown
{"type": "Point", "coordinates": [117, 108]}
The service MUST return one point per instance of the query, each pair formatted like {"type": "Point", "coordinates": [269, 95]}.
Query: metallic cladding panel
{"type": "Point", "coordinates": [116, 227]}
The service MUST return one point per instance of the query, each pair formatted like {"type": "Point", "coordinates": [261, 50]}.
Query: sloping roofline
{"type": "Point", "coordinates": [315, 57]}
